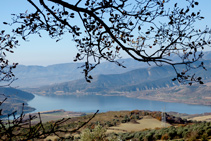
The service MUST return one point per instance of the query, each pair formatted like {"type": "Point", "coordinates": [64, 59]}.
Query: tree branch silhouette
{"type": "Point", "coordinates": [148, 31]}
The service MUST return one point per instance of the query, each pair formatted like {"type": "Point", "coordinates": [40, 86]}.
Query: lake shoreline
{"type": "Point", "coordinates": [162, 99]}
{"type": "Point", "coordinates": [60, 113]}
{"type": "Point", "coordinates": [173, 101]}
{"type": "Point", "coordinates": [131, 95]}
{"type": "Point", "coordinates": [83, 103]}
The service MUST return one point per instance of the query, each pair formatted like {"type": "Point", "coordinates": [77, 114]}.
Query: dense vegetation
{"type": "Point", "coordinates": [96, 129]}
{"type": "Point", "coordinates": [189, 132]}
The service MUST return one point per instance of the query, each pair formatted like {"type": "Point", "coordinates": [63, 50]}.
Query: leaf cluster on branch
{"type": "Point", "coordinates": [7, 44]}
{"type": "Point", "coordinates": [148, 31]}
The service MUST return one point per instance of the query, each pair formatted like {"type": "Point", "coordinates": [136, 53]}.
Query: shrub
{"type": "Point", "coordinates": [165, 137]}
{"type": "Point", "coordinates": [98, 134]}
{"type": "Point", "coordinates": [208, 131]}
{"type": "Point", "coordinates": [172, 132]}
{"type": "Point", "coordinates": [193, 136]}
{"type": "Point", "coordinates": [108, 123]}
{"type": "Point", "coordinates": [137, 135]}
{"type": "Point", "coordinates": [179, 131]}
{"type": "Point", "coordinates": [149, 136]}
{"type": "Point", "coordinates": [123, 121]}
{"type": "Point", "coordinates": [204, 137]}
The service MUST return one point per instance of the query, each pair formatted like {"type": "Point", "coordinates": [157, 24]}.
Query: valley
{"type": "Point", "coordinates": [136, 81]}
{"type": "Point", "coordinates": [153, 83]}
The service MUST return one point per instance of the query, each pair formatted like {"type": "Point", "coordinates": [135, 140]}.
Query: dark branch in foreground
{"type": "Point", "coordinates": [146, 30]}
{"type": "Point", "coordinates": [22, 128]}
{"type": "Point", "coordinates": [111, 27]}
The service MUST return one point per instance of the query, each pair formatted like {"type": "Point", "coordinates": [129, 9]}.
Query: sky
{"type": "Point", "coordinates": [38, 51]}
{"type": "Point", "coordinates": [45, 51]}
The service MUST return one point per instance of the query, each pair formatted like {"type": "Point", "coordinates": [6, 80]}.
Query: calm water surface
{"type": "Point", "coordinates": [92, 103]}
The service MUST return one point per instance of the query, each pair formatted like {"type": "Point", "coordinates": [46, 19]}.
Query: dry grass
{"type": "Point", "coordinates": [109, 116]}
{"type": "Point", "coordinates": [145, 123]}
{"type": "Point", "coordinates": [53, 138]}
{"type": "Point", "coordinates": [202, 118]}
{"type": "Point", "coordinates": [54, 116]}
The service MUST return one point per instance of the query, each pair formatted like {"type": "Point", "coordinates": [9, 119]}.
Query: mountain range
{"type": "Point", "coordinates": [135, 80]}
{"type": "Point", "coordinates": [37, 76]}
{"type": "Point", "coordinates": [153, 83]}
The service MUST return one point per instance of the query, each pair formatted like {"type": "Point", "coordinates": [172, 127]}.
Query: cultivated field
{"type": "Point", "coordinates": [54, 115]}
{"type": "Point", "coordinates": [146, 122]}
{"type": "Point", "coordinates": [202, 118]}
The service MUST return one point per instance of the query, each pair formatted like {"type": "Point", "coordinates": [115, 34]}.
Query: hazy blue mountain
{"type": "Point", "coordinates": [135, 80]}
{"type": "Point", "coordinates": [36, 76]}
{"type": "Point", "coordinates": [143, 78]}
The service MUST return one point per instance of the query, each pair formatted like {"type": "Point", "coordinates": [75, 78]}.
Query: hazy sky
{"type": "Point", "coordinates": [45, 51]}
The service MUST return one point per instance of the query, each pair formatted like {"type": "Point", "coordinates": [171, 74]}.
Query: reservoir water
{"type": "Point", "coordinates": [92, 103]}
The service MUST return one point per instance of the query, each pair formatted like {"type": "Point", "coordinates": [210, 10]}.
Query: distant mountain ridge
{"type": "Point", "coordinates": [37, 76]}
{"type": "Point", "coordinates": [153, 83]}
{"type": "Point", "coordinates": [138, 80]}
{"type": "Point", "coordinates": [135, 80]}
{"type": "Point", "coordinates": [111, 82]}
